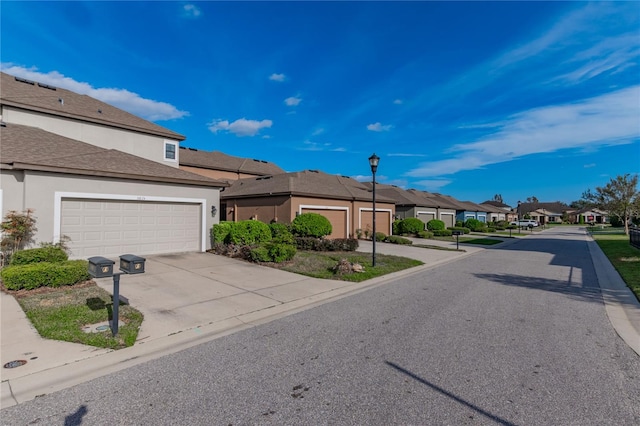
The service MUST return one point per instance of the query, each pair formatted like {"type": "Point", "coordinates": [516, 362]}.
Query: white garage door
{"type": "Point", "coordinates": [110, 228]}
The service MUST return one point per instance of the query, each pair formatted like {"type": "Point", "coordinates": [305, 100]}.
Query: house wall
{"type": "Point", "coordinates": [39, 193]}
{"type": "Point", "coordinates": [217, 174]}
{"type": "Point", "coordinates": [264, 209]}
{"type": "Point", "coordinates": [140, 144]}
{"type": "Point", "coordinates": [403, 212]}
{"type": "Point", "coordinates": [364, 217]}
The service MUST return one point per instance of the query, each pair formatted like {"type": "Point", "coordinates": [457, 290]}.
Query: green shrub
{"type": "Point", "coordinates": [317, 244]}
{"type": "Point", "coordinates": [395, 239]}
{"type": "Point", "coordinates": [443, 233]}
{"type": "Point", "coordinates": [380, 236]}
{"type": "Point", "coordinates": [281, 233]}
{"type": "Point", "coordinates": [425, 234]}
{"type": "Point", "coordinates": [459, 228]}
{"type": "Point", "coordinates": [311, 225]}
{"type": "Point", "coordinates": [259, 254]}
{"type": "Point", "coordinates": [280, 252]}
{"type": "Point", "coordinates": [43, 254]}
{"type": "Point", "coordinates": [435, 225]}
{"type": "Point", "coordinates": [44, 274]}
{"type": "Point", "coordinates": [395, 227]}
{"type": "Point", "coordinates": [249, 232]}
{"type": "Point", "coordinates": [475, 225]}
{"type": "Point", "coordinates": [411, 225]}
{"type": "Point", "coordinates": [220, 231]}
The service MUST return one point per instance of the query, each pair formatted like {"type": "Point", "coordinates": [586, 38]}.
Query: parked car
{"type": "Point", "coordinates": [526, 223]}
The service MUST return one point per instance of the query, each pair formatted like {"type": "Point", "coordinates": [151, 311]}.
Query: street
{"type": "Point", "coordinates": [516, 335]}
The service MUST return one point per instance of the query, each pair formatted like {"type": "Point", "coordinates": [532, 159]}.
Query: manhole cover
{"type": "Point", "coordinates": [16, 363]}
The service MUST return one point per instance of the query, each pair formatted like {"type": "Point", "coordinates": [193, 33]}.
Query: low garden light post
{"type": "Point", "coordinates": [373, 162]}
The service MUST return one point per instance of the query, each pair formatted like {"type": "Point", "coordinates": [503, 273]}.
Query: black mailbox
{"type": "Point", "coordinates": [100, 267]}
{"type": "Point", "coordinates": [132, 264]}
{"type": "Point", "coordinates": [457, 232]}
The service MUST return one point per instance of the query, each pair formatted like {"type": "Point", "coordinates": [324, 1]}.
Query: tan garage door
{"type": "Point", "coordinates": [426, 217]}
{"type": "Point", "coordinates": [110, 228]}
{"type": "Point", "coordinates": [338, 219]}
{"type": "Point", "coordinates": [448, 219]}
{"type": "Point", "coordinates": [383, 221]}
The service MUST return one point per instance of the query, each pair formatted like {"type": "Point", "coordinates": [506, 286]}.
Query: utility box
{"type": "Point", "coordinates": [100, 267]}
{"type": "Point", "coordinates": [132, 264]}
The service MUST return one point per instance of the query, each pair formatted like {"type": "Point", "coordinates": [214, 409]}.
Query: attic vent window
{"type": "Point", "coordinates": [170, 153]}
{"type": "Point", "coordinates": [99, 111]}
{"type": "Point", "coordinates": [61, 101]}
{"type": "Point", "coordinates": [46, 86]}
{"type": "Point", "coordinates": [24, 80]}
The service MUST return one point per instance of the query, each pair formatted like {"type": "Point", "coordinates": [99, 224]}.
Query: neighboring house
{"type": "Point", "coordinates": [465, 209]}
{"type": "Point", "coordinates": [499, 211]}
{"type": "Point", "coordinates": [408, 203]}
{"type": "Point", "coordinates": [346, 202]}
{"type": "Point", "coordinates": [85, 119]}
{"type": "Point", "coordinates": [434, 207]}
{"type": "Point", "coordinates": [217, 165]}
{"type": "Point", "coordinates": [591, 215]}
{"type": "Point", "coordinates": [547, 212]}
{"type": "Point", "coordinates": [108, 201]}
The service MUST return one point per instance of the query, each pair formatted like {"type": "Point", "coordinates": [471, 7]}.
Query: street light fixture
{"type": "Point", "coordinates": [373, 162]}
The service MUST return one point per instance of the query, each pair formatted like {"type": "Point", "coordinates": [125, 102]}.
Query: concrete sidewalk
{"type": "Point", "coordinates": [186, 299]}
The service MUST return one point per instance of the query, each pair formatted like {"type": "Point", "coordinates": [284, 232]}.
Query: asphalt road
{"type": "Point", "coordinates": [517, 335]}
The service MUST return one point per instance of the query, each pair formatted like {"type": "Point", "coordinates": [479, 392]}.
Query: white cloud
{"type": "Point", "coordinates": [398, 101]}
{"type": "Point", "coordinates": [277, 77]}
{"type": "Point", "coordinates": [432, 184]}
{"type": "Point", "coordinates": [318, 131]}
{"type": "Point", "coordinates": [378, 127]}
{"type": "Point", "coordinates": [319, 146]}
{"type": "Point", "coordinates": [589, 166]}
{"type": "Point", "coordinates": [240, 127]}
{"type": "Point", "coordinates": [608, 119]}
{"type": "Point", "coordinates": [293, 100]}
{"type": "Point", "coordinates": [191, 11]}
{"type": "Point", "coordinates": [120, 98]}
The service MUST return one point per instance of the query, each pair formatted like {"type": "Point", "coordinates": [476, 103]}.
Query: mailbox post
{"type": "Point", "coordinates": [101, 267]}
{"type": "Point", "coordinates": [457, 234]}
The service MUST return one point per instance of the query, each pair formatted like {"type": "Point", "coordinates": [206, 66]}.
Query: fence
{"type": "Point", "coordinates": [634, 237]}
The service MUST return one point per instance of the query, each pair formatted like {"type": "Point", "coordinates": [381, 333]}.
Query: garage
{"type": "Point", "coordinates": [425, 217]}
{"type": "Point", "coordinates": [113, 227]}
{"type": "Point", "coordinates": [337, 217]}
{"type": "Point", "coordinates": [383, 220]}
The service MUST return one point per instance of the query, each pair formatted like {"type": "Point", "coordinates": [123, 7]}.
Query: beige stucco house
{"type": "Point", "coordinates": [346, 202]}
{"type": "Point", "coordinates": [103, 177]}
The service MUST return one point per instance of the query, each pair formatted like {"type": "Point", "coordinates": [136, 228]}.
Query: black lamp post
{"type": "Point", "coordinates": [373, 162]}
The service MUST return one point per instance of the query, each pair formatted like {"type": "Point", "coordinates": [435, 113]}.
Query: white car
{"type": "Point", "coordinates": [526, 223]}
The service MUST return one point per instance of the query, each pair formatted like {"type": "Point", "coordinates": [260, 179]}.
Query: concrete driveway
{"type": "Point", "coordinates": [180, 292]}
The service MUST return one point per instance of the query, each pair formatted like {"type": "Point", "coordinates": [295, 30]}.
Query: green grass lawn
{"type": "Point", "coordinates": [320, 265]}
{"type": "Point", "coordinates": [61, 313]}
{"type": "Point", "coordinates": [624, 257]}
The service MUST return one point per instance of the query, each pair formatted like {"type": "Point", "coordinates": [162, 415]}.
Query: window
{"type": "Point", "coordinates": [170, 149]}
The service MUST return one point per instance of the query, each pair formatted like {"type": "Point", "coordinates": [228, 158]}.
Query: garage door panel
{"type": "Point", "coordinates": [338, 219]}
{"type": "Point", "coordinates": [111, 228]}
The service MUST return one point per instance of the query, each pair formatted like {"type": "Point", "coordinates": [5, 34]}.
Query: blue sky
{"type": "Point", "coordinates": [469, 99]}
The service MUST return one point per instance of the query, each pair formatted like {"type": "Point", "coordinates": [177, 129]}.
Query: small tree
{"type": "Point", "coordinates": [620, 197]}
{"type": "Point", "coordinates": [18, 230]}
{"type": "Point", "coordinates": [311, 225]}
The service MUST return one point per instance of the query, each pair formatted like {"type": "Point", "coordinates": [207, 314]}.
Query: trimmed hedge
{"type": "Point", "coordinates": [249, 232]}
{"type": "Point", "coordinates": [44, 274]}
{"type": "Point", "coordinates": [380, 236]}
{"type": "Point", "coordinates": [281, 233]}
{"type": "Point", "coordinates": [443, 233]}
{"type": "Point", "coordinates": [220, 231]}
{"type": "Point", "coordinates": [272, 252]}
{"type": "Point", "coordinates": [395, 227]}
{"type": "Point", "coordinates": [394, 239]}
{"type": "Point", "coordinates": [311, 225]}
{"type": "Point", "coordinates": [317, 244]}
{"type": "Point", "coordinates": [435, 225]}
{"type": "Point", "coordinates": [460, 228]}
{"type": "Point", "coordinates": [36, 255]}
{"type": "Point", "coordinates": [411, 225]}
{"type": "Point", "coordinates": [425, 234]}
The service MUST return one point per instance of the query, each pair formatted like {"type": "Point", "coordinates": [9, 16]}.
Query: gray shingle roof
{"type": "Point", "coordinates": [555, 207]}
{"type": "Point", "coordinates": [216, 160]}
{"type": "Point", "coordinates": [25, 94]}
{"type": "Point", "coordinates": [309, 183]}
{"type": "Point", "coordinates": [31, 148]}
{"type": "Point", "coordinates": [403, 197]}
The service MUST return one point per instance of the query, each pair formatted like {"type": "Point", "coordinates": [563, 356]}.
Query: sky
{"type": "Point", "coordinates": [469, 99]}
